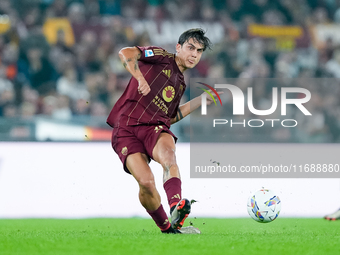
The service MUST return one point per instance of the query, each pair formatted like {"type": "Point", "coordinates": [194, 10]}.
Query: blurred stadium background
{"type": "Point", "coordinates": [60, 75]}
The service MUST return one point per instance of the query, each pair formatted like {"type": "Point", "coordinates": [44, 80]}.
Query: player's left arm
{"type": "Point", "coordinates": [187, 108]}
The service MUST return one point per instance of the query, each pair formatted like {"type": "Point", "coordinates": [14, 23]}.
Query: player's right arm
{"type": "Point", "coordinates": [129, 57]}
{"type": "Point", "coordinates": [185, 109]}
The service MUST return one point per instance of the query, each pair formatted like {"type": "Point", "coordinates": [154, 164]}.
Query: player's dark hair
{"type": "Point", "coordinates": [198, 35]}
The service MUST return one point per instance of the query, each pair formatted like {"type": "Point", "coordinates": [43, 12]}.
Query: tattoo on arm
{"type": "Point", "coordinates": [126, 62]}
{"type": "Point", "coordinates": [179, 115]}
{"type": "Point", "coordinates": [129, 60]}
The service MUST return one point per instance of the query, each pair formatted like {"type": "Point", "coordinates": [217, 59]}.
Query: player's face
{"type": "Point", "coordinates": [189, 53]}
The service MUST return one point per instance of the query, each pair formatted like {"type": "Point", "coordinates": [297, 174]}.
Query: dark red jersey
{"type": "Point", "coordinates": [167, 86]}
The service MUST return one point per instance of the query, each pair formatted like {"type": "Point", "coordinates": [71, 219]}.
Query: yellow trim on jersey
{"type": "Point", "coordinates": [164, 53]}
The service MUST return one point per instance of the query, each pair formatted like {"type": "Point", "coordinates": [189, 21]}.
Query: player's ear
{"type": "Point", "coordinates": [178, 48]}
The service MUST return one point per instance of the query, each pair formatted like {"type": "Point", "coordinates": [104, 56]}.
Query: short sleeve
{"type": "Point", "coordinates": [152, 54]}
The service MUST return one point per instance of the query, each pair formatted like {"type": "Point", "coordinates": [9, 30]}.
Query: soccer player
{"type": "Point", "coordinates": [141, 120]}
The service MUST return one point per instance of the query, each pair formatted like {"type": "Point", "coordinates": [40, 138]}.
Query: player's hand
{"type": "Point", "coordinates": [143, 87]}
{"type": "Point", "coordinates": [209, 98]}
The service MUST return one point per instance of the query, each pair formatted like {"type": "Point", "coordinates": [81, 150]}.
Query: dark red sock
{"type": "Point", "coordinates": [160, 218]}
{"type": "Point", "coordinates": [173, 190]}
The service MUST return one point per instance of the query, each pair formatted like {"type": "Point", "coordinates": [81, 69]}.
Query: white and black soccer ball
{"type": "Point", "coordinates": [264, 205]}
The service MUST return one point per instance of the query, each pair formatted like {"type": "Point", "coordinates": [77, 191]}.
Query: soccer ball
{"type": "Point", "coordinates": [264, 206]}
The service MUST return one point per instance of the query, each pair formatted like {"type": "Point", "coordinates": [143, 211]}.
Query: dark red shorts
{"type": "Point", "coordinates": [128, 140]}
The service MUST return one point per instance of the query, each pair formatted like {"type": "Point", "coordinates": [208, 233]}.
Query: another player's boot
{"type": "Point", "coordinates": [179, 213]}
{"type": "Point", "coordinates": [184, 230]}
{"type": "Point", "coordinates": [333, 216]}
{"type": "Point", "coordinates": [189, 230]}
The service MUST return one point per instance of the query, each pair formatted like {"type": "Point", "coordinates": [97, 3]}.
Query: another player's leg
{"type": "Point", "coordinates": [333, 216]}
{"type": "Point", "coordinates": [148, 195]}
{"type": "Point", "coordinates": [164, 153]}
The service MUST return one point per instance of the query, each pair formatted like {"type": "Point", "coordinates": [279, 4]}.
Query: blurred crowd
{"type": "Point", "coordinates": [80, 74]}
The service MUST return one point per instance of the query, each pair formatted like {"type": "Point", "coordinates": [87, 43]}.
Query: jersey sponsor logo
{"type": "Point", "coordinates": [125, 151]}
{"type": "Point", "coordinates": [168, 93]}
{"type": "Point", "coordinates": [149, 53]}
{"type": "Point", "coordinates": [160, 104]}
{"type": "Point", "coordinates": [167, 72]}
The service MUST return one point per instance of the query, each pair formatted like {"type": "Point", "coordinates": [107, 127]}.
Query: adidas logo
{"type": "Point", "coordinates": [167, 72]}
{"type": "Point", "coordinates": [176, 196]}
{"type": "Point", "coordinates": [158, 128]}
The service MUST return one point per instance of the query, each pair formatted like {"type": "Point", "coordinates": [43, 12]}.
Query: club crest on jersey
{"type": "Point", "coordinates": [149, 53]}
{"type": "Point", "coordinates": [168, 93]}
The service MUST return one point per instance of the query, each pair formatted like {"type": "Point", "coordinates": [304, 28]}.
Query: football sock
{"type": "Point", "coordinates": [160, 218]}
{"type": "Point", "coordinates": [173, 190]}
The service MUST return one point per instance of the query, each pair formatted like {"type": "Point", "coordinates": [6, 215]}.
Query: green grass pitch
{"type": "Point", "coordinates": [141, 236]}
